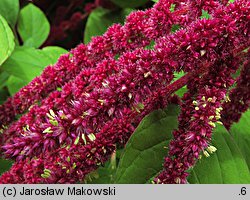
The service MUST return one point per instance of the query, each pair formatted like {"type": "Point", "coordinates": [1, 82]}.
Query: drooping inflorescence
{"type": "Point", "coordinates": [75, 130]}
{"type": "Point", "coordinates": [139, 30]}
{"type": "Point", "coordinates": [239, 98]}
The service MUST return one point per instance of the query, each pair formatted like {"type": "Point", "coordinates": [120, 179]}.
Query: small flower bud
{"type": "Point", "coordinates": [211, 149]}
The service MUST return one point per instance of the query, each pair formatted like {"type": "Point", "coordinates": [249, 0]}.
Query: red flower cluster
{"type": "Point", "coordinates": [103, 99]}
{"type": "Point", "coordinates": [136, 32]}
{"type": "Point", "coordinates": [239, 98]}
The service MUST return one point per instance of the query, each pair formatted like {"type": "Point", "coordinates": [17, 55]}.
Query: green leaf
{"type": "Point", "coordinates": [9, 9]}
{"type": "Point", "coordinates": [102, 176]}
{"type": "Point", "coordinates": [7, 40]}
{"type": "Point", "coordinates": [151, 45]}
{"type": "Point", "coordinates": [175, 27]}
{"type": "Point", "coordinates": [145, 150]}
{"type": "Point", "coordinates": [129, 3]}
{"type": "Point", "coordinates": [182, 90]}
{"type": "Point", "coordinates": [26, 63]}
{"type": "Point", "coordinates": [105, 174]}
{"type": "Point", "coordinates": [226, 165]}
{"type": "Point", "coordinates": [241, 133]}
{"type": "Point", "coordinates": [178, 75]}
{"type": "Point", "coordinates": [172, 7]}
{"type": "Point", "coordinates": [53, 53]}
{"type": "Point", "coordinates": [33, 26]}
{"type": "Point", "coordinates": [100, 19]}
{"type": "Point", "coordinates": [14, 84]}
{"type": "Point", "coordinates": [5, 165]}
{"type": "Point", "coordinates": [3, 79]}
{"type": "Point", "coordinates": [3, 96]}
{"type": "Point", "coordinates": [205, 15]}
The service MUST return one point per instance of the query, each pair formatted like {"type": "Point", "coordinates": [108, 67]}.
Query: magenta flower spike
{"type": "Point", "coordinates": [239, 98]}
{"type": "Point", "coordinates": [75, 130]}
{"type": "Point", "coordinates": [115, 41]}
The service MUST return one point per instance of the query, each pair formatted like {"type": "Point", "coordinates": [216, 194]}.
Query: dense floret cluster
{"type": "Point", "coordinates": [93, 98]}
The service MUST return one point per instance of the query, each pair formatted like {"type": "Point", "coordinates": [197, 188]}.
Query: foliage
{"type": "Point", "coordinates": [33, 33]}
{"type": "Point", "coordinates": [142, 157]}
{"type": "Point", "coordinates": [100, 19]}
